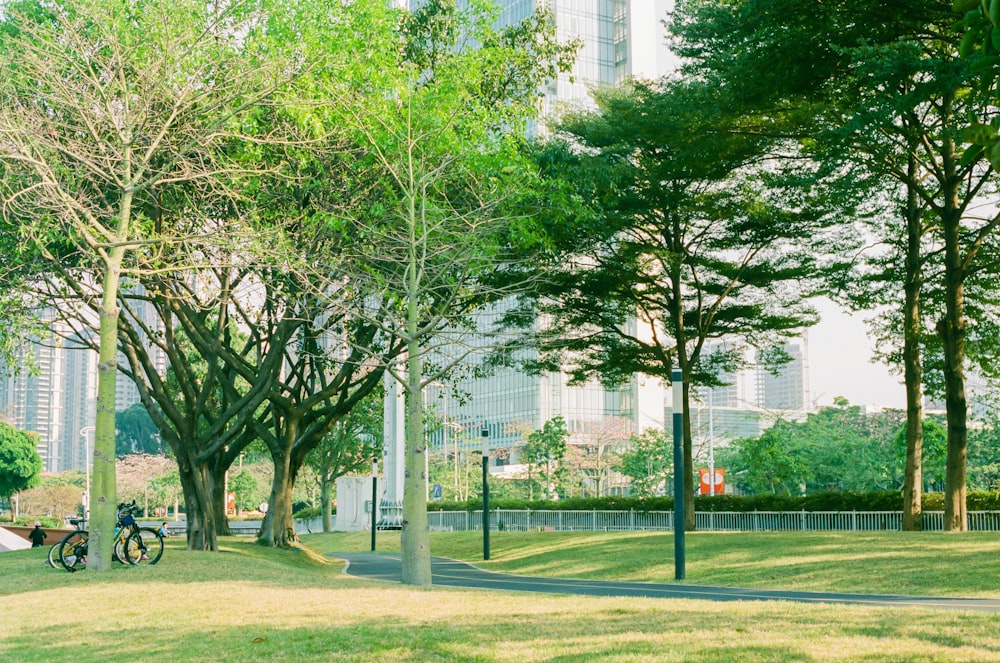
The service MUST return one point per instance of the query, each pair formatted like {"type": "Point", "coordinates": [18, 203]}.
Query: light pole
{"type": "Point", "coordinates": [678, 420]}
{"type": "Point", "coordinates": [711, 445]}
{"type": "Point", "coordinates": [374, 501]}
{"type": "Point", "coordinates": [486, 491]}
{"type": "Point", "coordinates": [85, 434]}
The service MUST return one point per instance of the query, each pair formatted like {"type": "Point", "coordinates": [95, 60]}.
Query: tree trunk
{"type": "Point", "coordinates": [912, 367]}
{"type": "Point", "coordinates": [201, 528]}
{"type": "Point", "coordinates": [415, 540]}
{"type": "Point", "coordinates": [103, 493]}
{"type": "Point", "coordinates": [278, 528]}
{"type": "Point", "coordinates": [326, 501]}
{"type": "Point", "coordinates": [216, 476]}
{"type": "Point", "coordinates": [952, 331]}
{"type": "Point", "coordinates": [689, 521]}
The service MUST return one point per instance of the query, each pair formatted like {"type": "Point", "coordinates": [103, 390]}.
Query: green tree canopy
{"type": "Point", "coordinates": [20, 464]}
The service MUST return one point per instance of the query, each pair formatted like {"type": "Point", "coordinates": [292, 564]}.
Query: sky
{"type": "Point", "coordinates": [840, 362]}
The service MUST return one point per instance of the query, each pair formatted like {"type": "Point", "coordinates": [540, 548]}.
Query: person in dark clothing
{"type": "Point", "coordinates": [37, 536]}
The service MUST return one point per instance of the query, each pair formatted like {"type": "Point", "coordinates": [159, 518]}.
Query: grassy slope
{"type": "Point", "coordinates": [253, 604]}
{"type": "Point", "coordinates": [909, 563]}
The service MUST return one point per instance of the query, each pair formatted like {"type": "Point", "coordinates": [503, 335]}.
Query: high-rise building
{"type": "Point", "coordinates": [52, 391]}
{"type": "Point", "coordinates": [33, 394]}
{"type": "Point", "coordinates": [619, 39]}
{"type": "Point", "coordinates": [788, 388]}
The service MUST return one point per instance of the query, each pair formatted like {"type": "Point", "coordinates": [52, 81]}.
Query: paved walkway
{"type": "Point", "coordinates": [453, 573]}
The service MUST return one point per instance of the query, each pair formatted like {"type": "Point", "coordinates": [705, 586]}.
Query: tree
{"type": "Point", "coordinates": [135, 432]}
{"type": "Point", "coordinates": [545, 450]}
{"type": "Point", "coordinates": [116, 125]}
{"type": "Point", "coordinates": [647, 461]}
{"type": "Point", "coordinates": [20, 464]}
{"type": "Point", "coordinates": [439, 143]}
{"type": "Point", "coordinates": [685, 237]}
{"type": "Point", "coordinates": [769, 464]}
{"type": "Point", "coordinates": [594, 453]}
{"type": "Point", "coordinates": [352, 445]}
{"type": "Point", "coordinates": [887, 87]}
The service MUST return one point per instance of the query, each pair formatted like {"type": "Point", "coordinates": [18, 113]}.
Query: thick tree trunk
{"type": "Point", "coordinates": [103, 491]}
{"type": "Point", "coordinates": [201, 527]}
{"type": "Point", "coordinates": [912, 367]}
{"type": "Point", "coordinates": [278, 528]}
{"type": "Point", "coordinates": [415, 540]}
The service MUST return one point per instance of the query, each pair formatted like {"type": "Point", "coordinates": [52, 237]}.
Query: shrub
{"type": "Point", "coordinates": [826, 501]}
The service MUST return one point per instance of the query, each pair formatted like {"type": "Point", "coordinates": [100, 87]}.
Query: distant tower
{"type": "Point", "coordinates": [789, 389]}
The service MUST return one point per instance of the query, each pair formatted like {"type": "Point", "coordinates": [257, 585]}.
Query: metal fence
{"type": "Point", "coordinates": [727, 521]}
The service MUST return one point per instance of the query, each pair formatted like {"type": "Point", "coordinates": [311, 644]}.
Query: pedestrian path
{"type": "Point", "coordinates": [454, 573]}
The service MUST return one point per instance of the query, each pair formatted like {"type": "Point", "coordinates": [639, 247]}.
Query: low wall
{"type": "Point", "coordinates": [52, 534]}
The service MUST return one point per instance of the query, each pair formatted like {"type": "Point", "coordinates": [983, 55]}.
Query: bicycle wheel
{"type": "Point", "coordinates": [73, 551]}
{"type": "Point", "coordinates": [144, 546]}
{"type": "Point", "coordinates": [54, 555]}
{"type": "Point", "coordinates": [119, 553]}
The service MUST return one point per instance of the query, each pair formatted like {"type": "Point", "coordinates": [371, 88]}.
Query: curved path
{"type": "Point", "coordinates": [453, 573]}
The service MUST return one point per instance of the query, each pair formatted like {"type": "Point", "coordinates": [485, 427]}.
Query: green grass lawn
{"type": "Point", "coordinates": [911, 563]}
{"type": "Point", "coordinates": [248, 603]}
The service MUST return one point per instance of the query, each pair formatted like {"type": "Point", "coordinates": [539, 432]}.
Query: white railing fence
{"type": "Point", "coordinates": [726, 521]}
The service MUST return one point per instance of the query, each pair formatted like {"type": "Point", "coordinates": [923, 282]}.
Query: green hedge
{"type": "Point", "coordinates": [832, 501]}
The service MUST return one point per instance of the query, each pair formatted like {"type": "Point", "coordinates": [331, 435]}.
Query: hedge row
{"type": "Point", "coordinates": [832, 501]}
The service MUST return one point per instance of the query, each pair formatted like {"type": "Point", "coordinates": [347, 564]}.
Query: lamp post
{"type": "Point", "coordinates": [486, 491]}
{"type": "Point", "coordinates": [679, 497]}
{"type": "Point", "coordinates": [711, 445]}
{"type": "Point", "coordinates": [85, 434]}
{"type": "Point", "coordinates": [374, 501]}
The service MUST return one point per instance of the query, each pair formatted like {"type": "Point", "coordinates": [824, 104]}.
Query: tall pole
{"type": "Point", "coordinates": [711, 445]}
{"type": "Point", "coordinates": [374, 501]}
{"type": "Point", "coordinates": [486, 492]}
{"type": "Point", "coordinates": [678, 389]}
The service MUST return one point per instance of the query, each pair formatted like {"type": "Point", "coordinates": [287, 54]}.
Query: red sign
{"type": "Point", "coordinates": [705, 488]}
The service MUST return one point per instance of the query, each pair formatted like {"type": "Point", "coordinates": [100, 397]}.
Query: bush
{"type": "Point", "coordinates": [308, 513]}
{"type": "Point", "coordinates": [827, 501]}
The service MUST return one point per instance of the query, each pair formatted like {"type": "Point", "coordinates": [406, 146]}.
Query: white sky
{"type": "Point", "coordinates": [840, 362]}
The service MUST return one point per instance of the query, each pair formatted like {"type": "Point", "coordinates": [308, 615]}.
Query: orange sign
{"type": "Point", "coordinates": [705, 488]}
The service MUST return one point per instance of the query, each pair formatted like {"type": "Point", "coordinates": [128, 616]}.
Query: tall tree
{"type": "Point", "coordinates": [686, 239]}
{"type": "Point", "coordinates": [108, 112]}
{"type": "Point", "coordinates": [440, 129]}
{"type": "Point", "coordinates": [890, 97]}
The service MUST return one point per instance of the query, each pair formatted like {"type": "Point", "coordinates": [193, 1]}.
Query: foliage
{"type": "Point", "coordinates": [135, 433]}
{"type": "Point", "coordinates": [837, 448]}
{"type": "Point", "coordinates": [648, 462]}
{"type": "Point", "coordinates": [545, 451]}
{"type": "Point", "coordinates": [56, 496]}
{"type": "Point", "coordinates": [20, 464]}
{"type": "Point", "coordinates": [244, 486]}
{"type": "Point", "coordinates": [821, 501]}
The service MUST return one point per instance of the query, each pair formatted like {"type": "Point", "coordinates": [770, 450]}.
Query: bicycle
{"type": "Point", "coordinates": [132, 544]}
{"type": "Point", "coordinates": [54, 559]}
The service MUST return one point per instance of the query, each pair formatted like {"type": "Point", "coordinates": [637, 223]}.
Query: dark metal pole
{"type": "Point", "coordinates": [679, 496]}
{"type": "Point", "coordinates": [486, 492]}
{"type": "Point", "coordinates": [374, 501]}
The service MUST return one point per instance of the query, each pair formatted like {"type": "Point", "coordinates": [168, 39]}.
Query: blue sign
{"type": "Point", "coordinates": [436, 491]}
